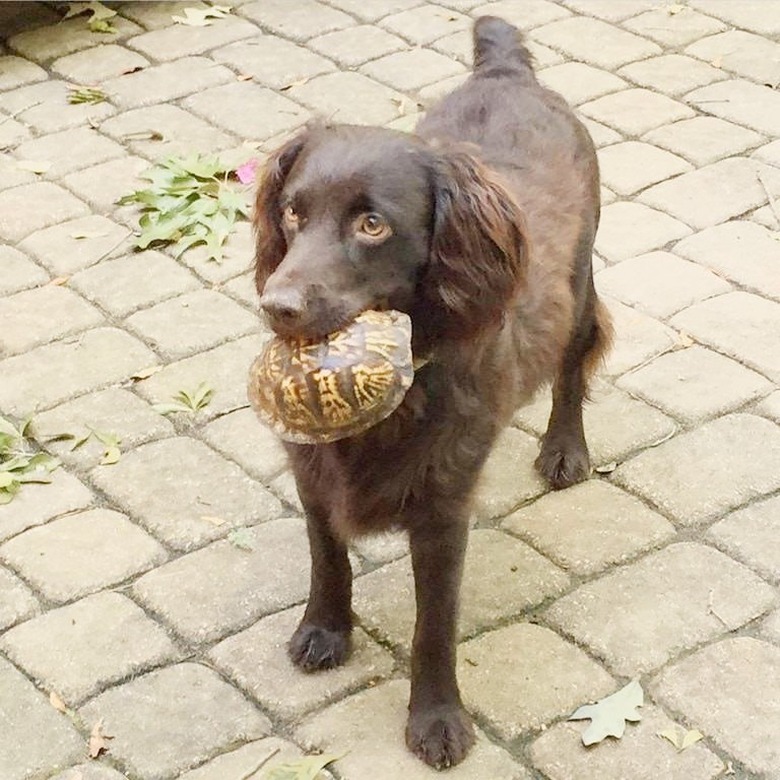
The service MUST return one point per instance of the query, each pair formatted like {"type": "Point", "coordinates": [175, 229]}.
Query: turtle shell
{"type": "Point", "coordinates": [319, 392]}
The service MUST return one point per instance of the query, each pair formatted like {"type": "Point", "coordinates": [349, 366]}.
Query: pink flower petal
{"type": "Point", "coordinates": [246, 172]}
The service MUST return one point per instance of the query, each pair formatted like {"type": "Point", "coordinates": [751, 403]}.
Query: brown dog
{"type": "Point", "coordinates": [481, 228]}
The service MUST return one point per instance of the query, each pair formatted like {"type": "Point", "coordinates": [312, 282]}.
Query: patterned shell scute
{"type": "Point", "coordinates": [319, 392]}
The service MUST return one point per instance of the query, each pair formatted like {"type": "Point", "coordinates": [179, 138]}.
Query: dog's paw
{"type": "Point", "coordinates": [441, 736]}
{"type": "Point", "coordinates": [563, 463]}
{"type": "Point", "coordinates": [312, 648]}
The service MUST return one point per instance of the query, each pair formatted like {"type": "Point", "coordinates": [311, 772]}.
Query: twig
{"type": "Point", "coordinates": [772, 204]}
{"type": "Point", "coordinates": [260, 765]}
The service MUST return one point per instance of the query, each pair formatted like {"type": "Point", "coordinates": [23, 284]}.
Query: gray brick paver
{"type": "Point", "coordinates": [112, 570]}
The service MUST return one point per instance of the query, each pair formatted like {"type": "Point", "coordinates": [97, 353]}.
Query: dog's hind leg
{"type": "Point", "coordinates": [564, 458]}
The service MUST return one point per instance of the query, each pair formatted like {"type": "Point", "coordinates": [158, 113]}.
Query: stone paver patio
{"type": "Point", "coordinates": [123, 594]}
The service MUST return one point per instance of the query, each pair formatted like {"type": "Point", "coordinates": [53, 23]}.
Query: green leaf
{"type": "Point", "coordinates": [306, 768]}
{"type": "Point", "coordinates": [110, 456]}
{"type": "Point", "coordinates": [109, 439]}
{"type": "Point", "coordinates": [81, 441]}
{"type": "Point", "coordinates": [86, 95]}
{"type": "Point", "coordinates": [242, 538]}
{"type": "Point", "coordinates": [168, 408]}
{"type": "Point", "coordinates": [101, 26]}
{"type": "Point", "coordinates": [6, 479]}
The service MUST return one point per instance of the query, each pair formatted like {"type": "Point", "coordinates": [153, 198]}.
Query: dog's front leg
{"type": "Point", "coordinates": [439, 730]}
{"type": "Point", "coordinates": [322, 640]}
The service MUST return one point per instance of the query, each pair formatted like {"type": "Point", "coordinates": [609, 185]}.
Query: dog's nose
{"type": "Point", "coordinates": [283, 307]}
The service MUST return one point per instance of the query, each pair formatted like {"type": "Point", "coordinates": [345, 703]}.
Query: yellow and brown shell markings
{"type": "Point", "coordinates": [319, 392]}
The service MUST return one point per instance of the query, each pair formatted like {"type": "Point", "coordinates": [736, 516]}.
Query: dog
{"type": "Point", "coordinates": [480, 226]}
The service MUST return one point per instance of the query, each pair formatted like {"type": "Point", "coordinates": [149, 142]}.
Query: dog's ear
{"type": "Point", "coordinates": [478, 248]}
{"type": "Point", "coordinates": [270, 244]}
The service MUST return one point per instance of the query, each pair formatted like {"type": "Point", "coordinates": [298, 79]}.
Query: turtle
{"type": "Point", "coordinates": [317, 392]}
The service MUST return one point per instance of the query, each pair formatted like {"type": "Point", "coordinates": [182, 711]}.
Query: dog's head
{"type": "Point", "coordinates": [355, 218]}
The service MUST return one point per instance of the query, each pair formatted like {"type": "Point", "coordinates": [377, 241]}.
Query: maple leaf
{"type": "Point", "coordinates": [608, 716]}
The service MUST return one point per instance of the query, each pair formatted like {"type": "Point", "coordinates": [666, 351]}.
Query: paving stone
{"type": "Point", "coordinates": [639, 754]}
{"type": "Point", "coordinates": [163, 83]}
{"type": "Point", "coordinates": [601, 134]}
{"type": "Point", "coordinates": [694, 384]}
{"type": "Point", "coordinates": [524, 14]}
{"type": "Point", "coordinates": [104, 184]}
{"type": "Point", "coordinates": [223, 588]}
{"type": "Point", "coordinates": [753, 15]}
{"type": "Point", "coordinates": [85, 147]}
{"type": "Point", "coordinates": [703, 139]}
{"type": "Point", "coordinates": [153, 16]}
{"type": "Point", "coordinates": [409, 70]}
{"type": "Point", "coordinates": [502, 578]}
{"type": "Point", "coordinates": [750, 535]}
{"type": "Point", "coordinates": [381, 548]}
{"type": "Point", "coordinates": [589, 527]}
{"type": "Point", "coordinates": [122, 286]}
{"type": "Point", "coordinates": [367, 730]}
{"type": "Point", "coordinates": [16, 72]}
{"type": "Point", "coordinates": [659, 283]}
{"type": "Point", "coordinates": [240, 437]}
{"type": "Point", "coordinates": [275, 62]}
{"type": "Point", "coordinates": [609, 10]}
{"type": "Point", "coordinates": [65, 37]}
{"type": "Point", "coordinates": [19, 273]}
{"type": "Point", "coordinates": [703, 473]}
{"type": "Point", "coordinates": [371, 10]}
{"type": "Point", "coordinates": [58, 249]}
{"type": "Point", "coordinates": [93, 66]}
{"type": "Point", "coordinates": [32, 207]}
{"type": "Point", "coordinates": [356, 45]}
{"type": "Point", "coordinates": [725, 686]}
{"type": "Point", "coordinates": [173, 719]}
{"type": "Point", "coordinates": [635, 111]}
{"type": "Point", "coordinates": [191, 323]}
{"type": "Point", "coordinates": [52, 373]}
{"type": "Point", "coordinates": [244, 761]}
{"type": "Point", "coordinates": [45, 107]}
{"type": "Point", "coordinates": [41, 315]}
{"type": "Point", "coordinates": [578, 82]}
{"type": "Point", "coordinates": [744, 53]}
{"type": "Point", "coordinates": [80, 649]}
{"type": "Point", "coordinates": [608, 440]}
{"type": "Point", "coordinates": [11, 175]}
{"type": "Point", "coordinates": [300, 22]}
{"type": "Point", "coordinates": [638, 338]}
{"type": "Point", "coordinates": [16, 600]}
{"type": "Point", "coordinates": [224, 368]}
{"type": "Point", "coordinates": [238, 256]}
{"type": "Point", "coordinates": [632, 166]}
{"type": "Point", "coordinates": [348, 97]}
{"type": "Point", "coordinates": [741, 251]}
{"type": "Point", "coordinates": [247, 110]}
{"type": "Point", "coordinates": [36, 503]}
{"type": "Point", "coordinates": [37, 739]}
{"type": "Point", "coordinates": [115, 411]}
{"type": "Point", "coordinates": [509, 477]}
{"type": "Point", "coordinates": [59, 558]}
{"type": "Point", "coordinates": [575, 36]}
{"type": "Point", "coordinates": [628, 229]}
{"type": "Point", "coordinates": [673, 30]}
{"type": "Point", "coordinates": [257, 660]}
{"type": "Point", "coordinates": [703, 592]}
{"type": "Point", "coordinates": [770, 628]}
{"type": "Point", "coordinates": [770, 153]}
{"type": "Point", "coordinates": [183, 484]}
{"type": "Point", "coordinates": [740, 325]}
{"type": "Point", "coordinates": [425, 24]}
{"type": "Point", "coordinates": [716, 192]}
{"type": "Point", "coordinates": [173, 43]}
{"type": "Point", "coordinates": [672, 74]}
{"type": "Point", "coordinates": [742, 102]}
{"type": "Point", "coordinates": [550, 678]}
{"type": "Point", "coordinates": [181, 132]}
{"type": "Point", "coordinates": [91, 771]}
{"type": "Point", "coordinates": [770, 407]}
{"type": "Point", "coordinates": [12, 132]}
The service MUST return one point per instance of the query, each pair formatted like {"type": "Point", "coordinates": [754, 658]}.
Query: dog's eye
{"type": "Point", "coordinates": [290, 215]}
{"type": "Point", "coordinates": [373, 225]}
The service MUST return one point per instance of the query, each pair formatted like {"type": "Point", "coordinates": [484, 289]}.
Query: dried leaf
{"type": "Point", "coordinates": [202, 17]}
{"type": "Point", "coordinates": [59, 281]}
{"type": "Point", "coordinates": [681, 738]}
{"type": "Point", "coordinates": [80, 235]}
{"type": "Point", "coordinates": [306, 768]}
{"type": "Point", "coordinates": [242, 538]}
{"type": "Point", "coordinates": [111, 456]}
{"type": "Point", "coordinates": [717, 62]}
{"type": "Point", "coordinates": [607, 468]}
{"type": "Point", "coordinates": [663, 439]}
{"type": "Point", "coordinates": [675, 8]}
{"type": "Point", "coordinates": [244, 77]}
{"type": "Point", "coordinates": [145, 373]}
{"type": "Point", "coordinates": [98, 741]}
{"type": "Point", "coordinates": [684, 340]}
{"type": "Point", "coordinates": [34, 166]}
{"type": "Point", "coordinates": [609, 715]}
{"type": "Point", "coordinates": [217, 521]}
{"type": "Point", "coordinates": [292, 84]}
{"type": "Point", "coordinates": [144, 135]}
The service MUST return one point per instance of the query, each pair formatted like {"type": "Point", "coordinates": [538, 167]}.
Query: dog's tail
{"type": "Point", "coordinates": [499, 46]}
